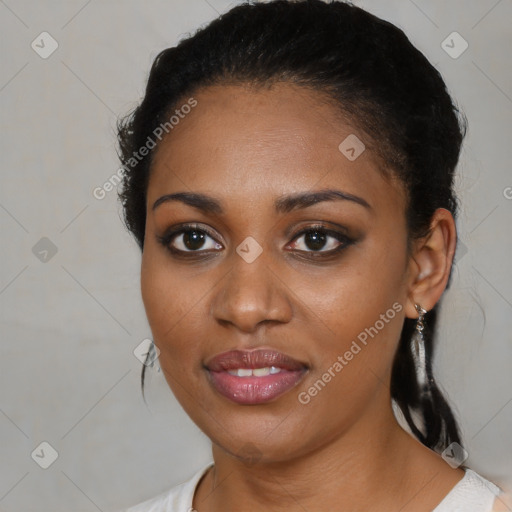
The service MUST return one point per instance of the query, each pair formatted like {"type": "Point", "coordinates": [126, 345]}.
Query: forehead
{"type": "Point", "coordinates": [263, 142]}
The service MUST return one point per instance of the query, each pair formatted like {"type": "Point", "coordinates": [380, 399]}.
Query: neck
{"type": "Point", "coordinates": [364, 468]}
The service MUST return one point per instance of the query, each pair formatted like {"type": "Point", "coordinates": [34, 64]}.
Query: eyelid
{"type": "Point", "coordinates": [343, 239]}
{"type": "Point", "coordinates": [179, 229]}
{"type": "Point", "coordinates": [327, 226]}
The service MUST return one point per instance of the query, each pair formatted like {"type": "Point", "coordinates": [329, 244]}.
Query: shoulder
{"type": "Point", "coordinates": [473, 493]}
{"type": "Point", "coordinates": [177, 499]}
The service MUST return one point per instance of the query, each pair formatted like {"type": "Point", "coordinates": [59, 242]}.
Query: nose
{"type": "Point", "coordinates": [251, 294]}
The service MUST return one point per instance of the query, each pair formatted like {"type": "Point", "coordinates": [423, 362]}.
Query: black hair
{"type": "Point", "coordinates": [377, 79]}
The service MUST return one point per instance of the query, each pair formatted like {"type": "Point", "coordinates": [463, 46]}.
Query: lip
{"type": "Point", "coordinates": [250, 359]}
{"type": "Point", "coordinates": [254, 390]}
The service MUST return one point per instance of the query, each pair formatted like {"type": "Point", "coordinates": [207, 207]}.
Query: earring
{"type": "Point", "coordinates": [418, 351]}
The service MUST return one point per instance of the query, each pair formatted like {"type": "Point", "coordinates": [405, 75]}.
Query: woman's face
{"type": "Point", "coordinates": [248, 275]}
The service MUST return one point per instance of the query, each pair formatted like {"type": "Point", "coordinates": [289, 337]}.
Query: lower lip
{"type": "Point", "coordinates": [254, 390]}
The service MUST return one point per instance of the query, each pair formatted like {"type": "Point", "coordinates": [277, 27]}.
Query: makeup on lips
{"type": "Point", "coordinates": [254, 377]}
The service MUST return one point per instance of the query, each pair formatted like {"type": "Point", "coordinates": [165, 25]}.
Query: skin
{"type": "Point", "coordinates": [344, 450]}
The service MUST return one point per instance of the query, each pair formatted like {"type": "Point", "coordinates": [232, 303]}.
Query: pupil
{"type": "Point", "coordinates": [193, 239]}
{"type": "Point", "coordinates": [317, 240]}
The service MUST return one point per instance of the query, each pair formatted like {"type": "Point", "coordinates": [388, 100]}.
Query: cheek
{"type": "Point", "coordinates": [168, 303]}
{"type": "Point", "coordinates": [174, 323]}
{"type": "Point", "coordinates": [350, 298]}
{"type": "Point", "coordinates": [358, 312]}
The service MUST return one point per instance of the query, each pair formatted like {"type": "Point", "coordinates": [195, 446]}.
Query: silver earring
{"type": "Point", "coordinates": [418, 351]}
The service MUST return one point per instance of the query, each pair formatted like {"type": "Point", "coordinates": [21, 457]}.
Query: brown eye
{"type": "Point", "coordinates": [319, 240]}
{"type": "Point", "coordinates": [193, 240]}
{"type": "Point", "coordinates": [315, 240]}
{"type": "Point", "coordinates": [189, 240]}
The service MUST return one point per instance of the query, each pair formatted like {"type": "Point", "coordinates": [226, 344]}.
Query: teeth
{"type": "Point", "coordinates": [256, 372]}
{"type": "Point", "coordinates": [261, 372]}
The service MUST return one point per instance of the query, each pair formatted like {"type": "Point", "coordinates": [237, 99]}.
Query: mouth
{"type": "Point", "coordinates": [254, 377]}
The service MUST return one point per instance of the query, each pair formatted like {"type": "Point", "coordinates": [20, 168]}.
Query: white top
{"type": "Point", "coordinates": [472, 493]}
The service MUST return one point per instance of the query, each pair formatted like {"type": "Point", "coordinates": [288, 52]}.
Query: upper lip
{"type": "Point", "coordinates": [251, 359]}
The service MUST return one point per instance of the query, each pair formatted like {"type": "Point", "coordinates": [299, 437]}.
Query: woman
{"type": "Point", "coordinates": [289, 181]}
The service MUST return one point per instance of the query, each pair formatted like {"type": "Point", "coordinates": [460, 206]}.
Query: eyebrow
{"type": "Point", "coordinates": [283, 204]}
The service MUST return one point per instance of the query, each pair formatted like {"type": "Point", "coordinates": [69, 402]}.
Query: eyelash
{"type": "Point", "coordinates": [168, 237]}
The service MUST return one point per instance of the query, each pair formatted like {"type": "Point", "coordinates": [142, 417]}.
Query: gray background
{"type": "Point", "coordinates": [68, 375]}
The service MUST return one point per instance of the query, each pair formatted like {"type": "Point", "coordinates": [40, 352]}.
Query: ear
{"type": "Point", "coordinates": [430, 263]}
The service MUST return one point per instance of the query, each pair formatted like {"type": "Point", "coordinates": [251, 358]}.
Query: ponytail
{"type": "Point", "coordinates": [438, 427]}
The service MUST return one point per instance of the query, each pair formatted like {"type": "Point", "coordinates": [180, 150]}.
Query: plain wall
{"type": "Point", "coordinates": [68, 375]}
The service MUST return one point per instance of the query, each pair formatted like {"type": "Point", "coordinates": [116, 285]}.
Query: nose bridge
{"type": "Point", "coordinates": [250, 293]}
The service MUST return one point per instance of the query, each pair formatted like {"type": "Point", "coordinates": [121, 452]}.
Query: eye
{"type": "Point", "coordinates": [189, 238]}
{"type": "Point", "coordinates": [318, 239]}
